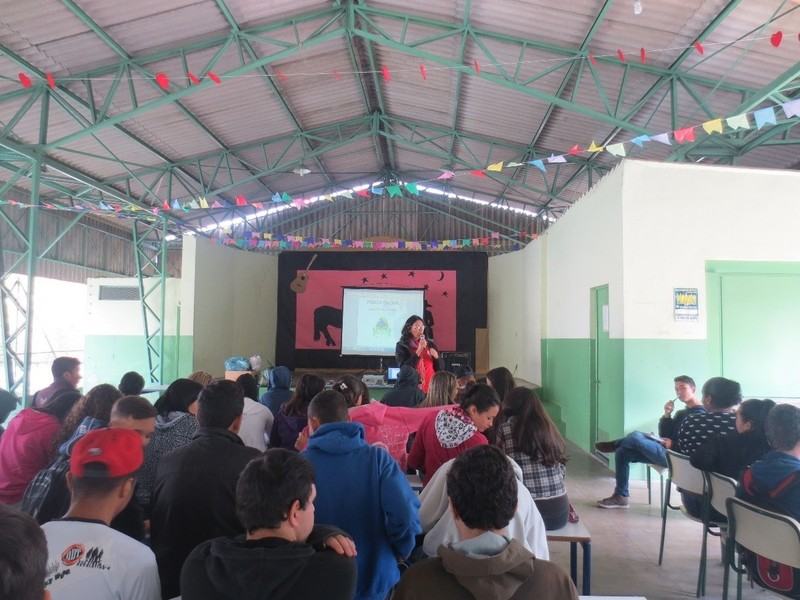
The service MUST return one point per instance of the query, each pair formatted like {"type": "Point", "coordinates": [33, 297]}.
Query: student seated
{"type": "Point", "coordinates": [23, 557]}
{"type": "Point", "coordinates": [292, 417]}
{"type": "Point", "coordinates": [774, 483]}
{"type": "Point", "coordinates": [47, 497]}
{"type": "Point", "coordinates": [486, 563]}
{"type": "Point", "coordinates": [454, 429]}
{"type": "Point", "coordinates": [638, 447]}
{"type": "Point", "coordinates": [438, 523]}
{"type": "Point", "coordinates": [195, 487]}
{"type": "Point", "coordinates": [257, 419]}
{"type": "Point", "coordinates": [279, 392]}
{"type": "Point", "coordinates": [406, 391]}
{"type": "Point", "coordinates": [283, 554]}
{"type": "Point", "coordinates": [442, 391]}
{"type": "Point", "coordinates": [86, 558]}
{"type": "Point", "coordinates": [131, 384]}
{"type": "Point", "coordinates": [465, 379]}
{"type": "Point", "coordinates": [529, 436]}
{"type": "Point", "coordinates": [733, 453]}
{"type": "Point", "coordinates": [361, 489]}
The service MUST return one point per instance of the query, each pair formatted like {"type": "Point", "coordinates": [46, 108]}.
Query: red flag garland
{"type": "Point", "coordinates": [214, 77]}
{"type": "Point", "coordinates": [25, 80]}
{"type": "Point", "coordinates": [192, 78]}
{"type": "Point", "coordinates": [424, 72]}
{"type": "Point", "coordinates": [51, 81]}
{"type": "Point", "coordinates": [163, 81]}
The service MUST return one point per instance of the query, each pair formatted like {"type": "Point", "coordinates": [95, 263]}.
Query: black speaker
{"type": "Point", "coordinates": [453, 360]}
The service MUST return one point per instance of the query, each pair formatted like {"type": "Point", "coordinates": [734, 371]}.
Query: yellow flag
{"type": "Point", "coordinates": [713, 126]}
{"type": "Point", "coordinates": [203, 202]}
{"type": "Point", "coordinates": [498, 166]}
{"type": "Point", "coordinates": [594, 148]}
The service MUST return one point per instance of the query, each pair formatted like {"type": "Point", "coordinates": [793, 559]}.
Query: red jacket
{"type": "Point", "coordinates": [25, 448]}
{"type": "Point", "coordinates": [443, 435]}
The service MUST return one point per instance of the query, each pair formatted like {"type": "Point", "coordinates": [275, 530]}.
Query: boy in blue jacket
{"type": "Point", "coordinates": [361, 490]}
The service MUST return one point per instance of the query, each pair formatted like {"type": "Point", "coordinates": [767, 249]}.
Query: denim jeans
{"type": "Point", "coordinates": [636, 447]}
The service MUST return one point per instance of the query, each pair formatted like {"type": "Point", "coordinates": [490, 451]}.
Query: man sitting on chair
{"type": "Point", "coordinates": [638, 447]}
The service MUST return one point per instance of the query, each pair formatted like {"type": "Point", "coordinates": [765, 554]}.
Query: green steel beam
{"type": "Point", "coordinates": [462, 51]}
{"type": "Point", "coordinates": [150, 254]}
{"type": "Point", "coordinates": [530, 152]}
{"type": "Point", "coordinates": [82, 16]}
{"type": "Point", "coordinates": [668, 78]}
{"type": "Point", "coordinates": [271, 86]}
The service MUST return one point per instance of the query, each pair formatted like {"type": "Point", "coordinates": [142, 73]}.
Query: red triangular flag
{"type": "Point", "coordinates": [387, 75]}
{"type": "Point", "coordinates": [423, 71]}
{"type": "Point", "coordinates": [699, 47]}
{"type": "Point", "coordinates": [51, 81]}
{"type": "Point", "coordinates": [165, 205]}
{"type": "Point", "coordinates": [281, 75]}
{"type": "Point", "coordinates": [592, 59]}
{"type": "Point", "coordinates": [241, 201]}
{"type": "Point", "coordinates": [163, 81]}
{"type": "Point", "coordinates": [192, 78]}
{"type": "Point", "coordinates": [621, 55]}
{"type": "Point", "coordinates": [776, 38]}
{"type": "Point", "coordinates": [643, 55]}
{"type": "Point", "coordinates": [363, 193]}
{"type": "Point", "coordinates": [575, 150]}
{"type": "Point", "coordinates": [476, 66]}
{"type": "Point", "coordinates": [477, 173]}
{"type": "Point", "coordinates": [25, 80]}
{"type": "Point", "coordinates": [214, 77]}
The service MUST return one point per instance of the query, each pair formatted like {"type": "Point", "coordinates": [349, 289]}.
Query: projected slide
{"type": "Point", "coordinates": [372, 318]}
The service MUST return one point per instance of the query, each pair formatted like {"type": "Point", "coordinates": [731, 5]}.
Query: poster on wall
{"type": "Point", "coordinates": [685, 304]}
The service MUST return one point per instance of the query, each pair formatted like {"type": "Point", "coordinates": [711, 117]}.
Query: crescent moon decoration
{"type": "Point", "coordinates": [441, 276]}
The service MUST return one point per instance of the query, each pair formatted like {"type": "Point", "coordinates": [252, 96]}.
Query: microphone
{"type": "Point", "coordinates": [422, 338]}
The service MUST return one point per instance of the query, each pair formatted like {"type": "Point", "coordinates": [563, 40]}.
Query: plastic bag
{"type": "Point", "coordinates": [255, 362]}
{"type": "Point", "coordinates": [237, 363]}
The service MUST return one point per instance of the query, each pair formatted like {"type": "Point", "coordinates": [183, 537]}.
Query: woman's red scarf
{"type": "Point", "coordinates": [424, 365]}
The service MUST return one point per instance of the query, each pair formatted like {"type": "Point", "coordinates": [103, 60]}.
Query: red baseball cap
{"type": "Point", "coordinates": [108, 453]}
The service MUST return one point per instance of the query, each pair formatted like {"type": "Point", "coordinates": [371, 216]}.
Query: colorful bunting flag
{"type": "Point", "coordinates": [51, 81]}
{"type": "Point", "coordinates": [497, 167]}
{"type": "Point", "coordinates": [791, 108]}
{"type": "Point", "coordinates": [539, 164]}
{"type": "Point", "coordinates": [738, 122]}
{"type": "Point", "coordinates": [216, 204]}
{"type": "Point", "coordinates": [713, 126]}
{"type": "Point", "coordinates": [662, 138]}
{"type": "Point", "coordinates": [641, 140]}
{"type": "Point", "coordinates": [446, 175]}
{"type": "Point", "coordinates": [203, 202]}
{"type": "Point", "coordinates": [477, 173]}
{"type": "Point", "coordinates": [363, 193]}
{"type": "Point", "coordinates": [192, 78]}
{"type": "Point", "coordinates": [776, 38]}
{"type": "Point", "coordinates": [412, 189]}
{"type": "Point", "coordinates": [286, 197]}
{"type": "Point", "coordinates": [765, 116]}
{"type": "Point", "coordinates": [514, 165]}
{"type": "Point", "coordinates": [276, 197]}
{"type": "Point", "coordinates": [176, 205]}
{"type": "Point", "coordinates": [387, 75]}
{"type": "Point", "coordinates": [575, 150]}
{"type": "Point", "coordinates": [685, 135]}
{"type": "Point", "coordinates": [594, 148]}
{"type": "Point", "coordinates": [378, 191]}
{"type": "Point", "coordinates": [699, 47]}
{"type": "Point", "coordinates": [394, 190]}
{"type": "Point", "coordinates": [616, 149]}
{"type": "Point", "coordinates": [553, 159]}
{"type": "Point", "coordinates": [241, 201]}
{"type": "Point", "coordinates": [424, 72]}
{"type": "Point", "coordinates": [25, 80]}
{"type": "Point", "coordinates": [163, 81]}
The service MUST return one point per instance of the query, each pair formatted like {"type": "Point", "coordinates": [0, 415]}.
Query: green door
{"type": "Point", "coordinates": [760, 333]}
{"type": "Point", "coordinates": [601, 369]}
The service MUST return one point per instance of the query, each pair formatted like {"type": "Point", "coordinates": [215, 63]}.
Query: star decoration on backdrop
{"type": "Point", "coordinates": [444, 294]}
{"type": "Point", "coordinates": [426, 287]}
{"type": "Point", "coordinates": [364, 280]}
{"type": "Point", "coordinates": [412, 273]}
{"type": "Point", "coordinates": [384, 276]}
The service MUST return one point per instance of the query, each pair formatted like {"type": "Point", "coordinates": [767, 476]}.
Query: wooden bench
{"type": "Point", "coordinates": [576, 533]}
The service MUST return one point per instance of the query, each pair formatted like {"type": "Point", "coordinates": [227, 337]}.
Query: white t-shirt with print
{"type": "Point", "coordinates": [88, 559]}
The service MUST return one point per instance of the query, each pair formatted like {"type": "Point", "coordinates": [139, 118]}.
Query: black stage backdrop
{"type": "Point", "coordinates": [468, 287]}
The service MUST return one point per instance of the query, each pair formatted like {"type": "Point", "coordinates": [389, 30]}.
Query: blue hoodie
{"type": "Point", "coordinates": [361, 490]}
{"type": "Point", "coordinates": [280, 380]}
{"type": "Point", "coordinates": [772, 483]}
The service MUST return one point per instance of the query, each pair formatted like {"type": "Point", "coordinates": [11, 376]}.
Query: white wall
{"type": "Point", "coordinates": [678, 216]}
{"type": "Point", "coordinates": [515, 293]}
{"type": "Point", "coordinates": [583, 249]}
{"type": "Point", "coordinates": [234, 302]}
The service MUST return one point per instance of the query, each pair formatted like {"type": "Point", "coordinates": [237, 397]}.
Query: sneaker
{"type": "Point", "coordinates": [607, 447]}
{"type": "Point", "coordinates": [614, 501]}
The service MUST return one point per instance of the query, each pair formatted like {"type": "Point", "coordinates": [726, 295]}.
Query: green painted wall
{"type": "Point", "coordinates": [107, 358]}
{"type": "Point", "coordinates": [566, 390]}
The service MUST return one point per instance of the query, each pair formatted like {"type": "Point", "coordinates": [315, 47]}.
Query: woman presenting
{"type": "Point", "coordinates": [415, 350]}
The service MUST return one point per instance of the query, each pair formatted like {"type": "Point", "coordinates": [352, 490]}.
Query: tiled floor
{"type": "Point", "coordinates": [625, 542]}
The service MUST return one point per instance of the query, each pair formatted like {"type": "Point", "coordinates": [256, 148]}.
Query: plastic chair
{"type": "Point", "coordinates": [718, 489]}
{"type": "Point", "coordinates": [769, 534]}
{"type": "Point", "coordinates": [660, 471]}
{"type": "Point", "coordinates": [688, 479]}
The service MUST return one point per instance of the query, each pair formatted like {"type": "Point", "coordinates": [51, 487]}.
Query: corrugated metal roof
{"type": "Point", "coordinates": [323, 84]}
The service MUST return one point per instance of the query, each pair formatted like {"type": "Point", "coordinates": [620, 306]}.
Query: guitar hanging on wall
{"type": "Point", "coordinates": [298, 285]}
